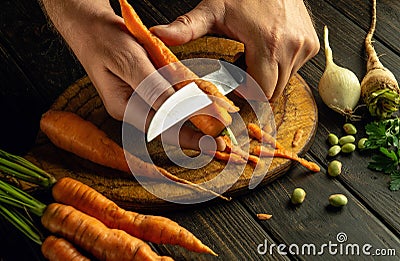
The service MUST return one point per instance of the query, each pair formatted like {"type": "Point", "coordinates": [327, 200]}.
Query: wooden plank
{"type": "Point", "coordinates": [315, 222]}
{"type": "Point", "coordinates": [388, 18]}
{"type": "Point", "coordinates": [37, 49]}
{"type": "Point", "coordinates": [227, 228]}
{"type": "Point", "coordinates": [20, 105]}
{"type": "Point", "coordinates": [347, 41]}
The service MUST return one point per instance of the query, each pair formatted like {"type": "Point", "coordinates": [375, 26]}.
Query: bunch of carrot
{"type": "Point", "coordinates": [84, 218]}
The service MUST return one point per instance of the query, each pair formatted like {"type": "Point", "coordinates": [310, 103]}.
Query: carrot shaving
{"type": "Point", "coordinates": [263, 216]}
{"type": "Point", "coordinates": [187, 182]}
{"type": "Point", "coordinates": [233, 149]}
{"type": "Point", "coordinates": [298, 135]}
{"type": "Point", "coordinates": [282, 153]}
{"type": "Point", "coordinates": [259, 134]}
{"type": "Point", "coordinates": [225, 156]}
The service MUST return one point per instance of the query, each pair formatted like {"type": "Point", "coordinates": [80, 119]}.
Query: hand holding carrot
{"type": "Point", "coordinates": [279, 36]}
{"type": "Point", "coordinates": [115, 63]}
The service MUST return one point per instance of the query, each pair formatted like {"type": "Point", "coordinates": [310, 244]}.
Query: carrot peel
{"type": "Point", "coordinates": [265, 152]}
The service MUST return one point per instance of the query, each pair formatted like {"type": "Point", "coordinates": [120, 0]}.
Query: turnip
{"type": "Point", "coordinates": [379, 88]}
{"type": "Point", "coordinates": [338, 87]}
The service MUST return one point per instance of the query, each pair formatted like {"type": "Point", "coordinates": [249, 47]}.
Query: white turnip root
{"type": "Point", "coordinates": [379, 88]}
{"type": "Point", "coordinates": [338, 87]}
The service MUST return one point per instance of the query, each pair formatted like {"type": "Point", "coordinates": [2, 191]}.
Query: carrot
{"type": "Point", "coordinates": [166, 174]}
{"type": "Point", "coordinates": [58, 249]}
{"type": "Point", "coordinates": [225, 156]}
{"type": "Point", "coordinates": [259, 134]}
{"type": "Point", "coordinates": [155, 229]}
{"type": "Point", "coordinates": [263, 216]}
{"type": "Point", "coordinates": [379, 87]}
{"type": "Point", "coordinates": [161, 56]}
{"type": "Point", "coordinates": [93, 236]}
{"type": "Point", "coordinates": [233, 149]}
{"type": "Point", "coordinates": [70, 132]}
{"type": "Point", "coordinates": [297, 137]}
{"type": "Point", "coordinates": [282, 153]}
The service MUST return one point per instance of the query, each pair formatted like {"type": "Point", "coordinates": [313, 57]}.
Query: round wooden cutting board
{"type": "Point", "coordinates": [296, 109]}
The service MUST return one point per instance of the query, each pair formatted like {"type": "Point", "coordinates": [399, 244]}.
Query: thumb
{"type": "Point", "coordinates": [187, 27]}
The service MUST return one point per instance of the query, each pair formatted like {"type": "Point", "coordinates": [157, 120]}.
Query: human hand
{"type": "Point", "coordinates": [116, 64]}
{"type": "Point", "coordinates": [278, 35]}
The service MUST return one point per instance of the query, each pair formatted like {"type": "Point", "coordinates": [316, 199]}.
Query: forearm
{"type": "Point", "coordinates": [74, 18]}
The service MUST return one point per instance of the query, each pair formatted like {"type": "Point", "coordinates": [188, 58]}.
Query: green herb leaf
{"type": "Point", "coordinates": [381, 162]}
{"type": "Point", "coordinates": [395, 180]}
{"type": "Point", "coordinates": [390, 154]}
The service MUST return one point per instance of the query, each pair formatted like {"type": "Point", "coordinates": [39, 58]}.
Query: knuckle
{"type": "Point", "coordinates": [114, 112]}
{"type": "Point", "coordinates": [184, 19]}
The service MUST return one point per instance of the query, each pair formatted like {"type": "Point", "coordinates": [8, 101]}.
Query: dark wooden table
{"type": "Point", "coordinates": [36, 66]}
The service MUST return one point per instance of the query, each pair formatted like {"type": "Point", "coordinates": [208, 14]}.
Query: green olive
{"type": "Point", "coordinates": [348, 148]}
{"type": "Point", "coordinates": [347, 139]}
{"type": "Point", "coordinates": [334, 150]}
{"type": "Point", "coordinates": [350, 128]}
{"type": "Point", "coordinates": [361, 143]}
{"type": "Point", "coordinates": [333, 139]}
{"type": "Point", "coordinates": [334, 168]}
{"type": "Point", "coordinates": [338, 200]}
{"type": "Point", "coordinates": [298, 196]}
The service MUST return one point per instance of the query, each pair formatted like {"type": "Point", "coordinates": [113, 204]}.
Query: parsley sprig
{"type": "Point", "coordinates": [383, 137]}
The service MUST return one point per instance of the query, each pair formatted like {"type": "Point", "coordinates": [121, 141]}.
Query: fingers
{"type": "Point", "coordinates": [131, 64]}
{"type": "Point", "coordinates": [187, 27]}
{"type": "Point", "coordinates": [113, 91]}
{"type": "Point", "coordinates": [154, 89]}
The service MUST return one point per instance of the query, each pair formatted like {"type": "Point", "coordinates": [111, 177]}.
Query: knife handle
{"type": "Point", "coordinates": [239, 74]}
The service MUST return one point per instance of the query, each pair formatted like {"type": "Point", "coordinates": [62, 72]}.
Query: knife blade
{"type": "Point", "coordinates": [190, 98]}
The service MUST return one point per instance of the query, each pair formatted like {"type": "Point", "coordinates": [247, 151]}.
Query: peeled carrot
{"type": "Point", "coordinates": [161, 55]}
{"type": "Point", "coordinates": [58, 249]}
{"type": "Point", "coordinates": [282, 153]}
{"type": "Point", "coordinates": [259, 134]}
{"type": "Point", "coordinates": [93, 236]}
{"type": "Point", "coordinates": [155, 229]}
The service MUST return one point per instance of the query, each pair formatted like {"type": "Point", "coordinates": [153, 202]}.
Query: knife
{"type": "Point", "coordinates": [190, 98]}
